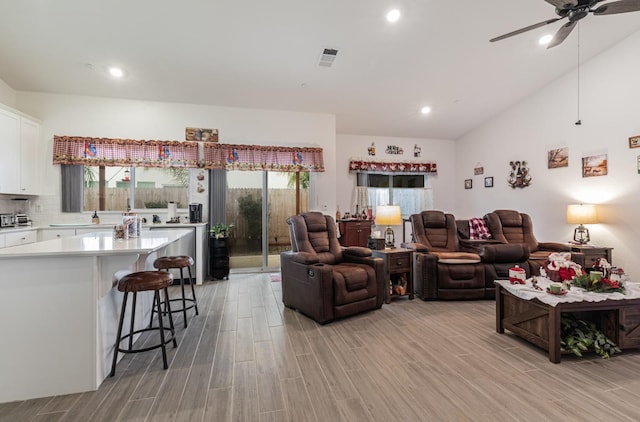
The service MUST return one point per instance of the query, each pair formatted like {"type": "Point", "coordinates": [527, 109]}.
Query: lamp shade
{"type": "Point", "coordinates": [388, 215]}
{"type": "Point", "coordinates": [582, 214]}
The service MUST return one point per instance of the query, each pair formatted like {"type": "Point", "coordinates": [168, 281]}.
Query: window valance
{"type": "Point", "coordinates": [381, 166]}
{"type": "Point", "coordinates": [256, 157]}
{"type": "Point", "coordinates": [124, 152]}
{"type": "Point", "coordinates": [139, 153]}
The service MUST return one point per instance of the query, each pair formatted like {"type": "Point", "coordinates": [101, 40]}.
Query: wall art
{"type": "Point", "coordinates": [394, 150]}
{"type": "Point", "coordinates": [519, 176]}
{"type": "Point", "coordinates": [488, 182]}
{"type": "Point", "coordinates": [634, 142]}
{"type": "Point", "coordinates": [201, 134]}
{"type": "Point", "coordinates": [638, 164]}
{"type": "Point", "coordinates": [416, 151]}
{"type": "Point", "coordinates": [594, 165]}
{"type": "Point", "coordinates": [372, 149]}
{"type": "Point", "coordinates": [557, 158]}
{"type": "Point", "coordinates": [478, 169]}
{"type": "Point", "coordinates": [468, 184]}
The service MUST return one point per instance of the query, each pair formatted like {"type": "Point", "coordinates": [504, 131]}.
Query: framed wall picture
{"type": "Point", "coordinates": [557, 158]}
{"type": "Point", "coordinates": [488, 182]}
{"type": "Point", "coordinates": [638, 164]}
{"type": "Point", "coordinates": [201, 134]}
{"type": "Point", "coordinates": [634, 142]}
{"type": "Point", "coordinates": [468, 184]}
{"type": "Point", "coordinates": [594, 165]}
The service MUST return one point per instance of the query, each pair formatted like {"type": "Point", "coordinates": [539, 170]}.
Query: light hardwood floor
{"type": "Point", "coordinates": [246, 358]}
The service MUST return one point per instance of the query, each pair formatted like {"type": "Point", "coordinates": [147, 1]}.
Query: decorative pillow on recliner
{"type": "Point", "coordinates": [478, 229]}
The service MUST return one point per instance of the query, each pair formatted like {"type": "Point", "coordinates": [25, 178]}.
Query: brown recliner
{"type": "Point", "coordinates": [440, 269]}
{"type": "Point", "coordinates": [513, 227]}
{"type": "Point", "coordinates": [323, 280]}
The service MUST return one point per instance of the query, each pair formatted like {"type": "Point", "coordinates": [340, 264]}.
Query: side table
{"type": "Point", "coordinates": [397, 265]}
{"type": "Point", "coordinates": [592, 253]}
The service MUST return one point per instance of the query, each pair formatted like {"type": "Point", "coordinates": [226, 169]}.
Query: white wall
{"type": "Point", "coordinates": [440, 151]}
{"type": "Point", "coordinates": [118, 118]}
{"type": "Point", "coordinates": [609, 95]}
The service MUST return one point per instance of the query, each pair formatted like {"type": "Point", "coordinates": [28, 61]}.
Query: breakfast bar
{"type": "Point", "coordinates": [59, 309]}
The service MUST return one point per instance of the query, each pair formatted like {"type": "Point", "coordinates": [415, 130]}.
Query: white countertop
{"type": "Point", "coordinates": [98, 243]}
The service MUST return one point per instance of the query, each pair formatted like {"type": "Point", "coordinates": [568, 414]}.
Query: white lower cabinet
{"type": "Point", "coordinates": [48, 234]}
{"type": "Point", "coordinates": [20, 238]}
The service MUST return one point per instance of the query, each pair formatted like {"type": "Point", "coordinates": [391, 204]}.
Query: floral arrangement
{"type": "Point", "coordinates": [562, 268]}
{"type": "Point", "coordinates": [607, 281]}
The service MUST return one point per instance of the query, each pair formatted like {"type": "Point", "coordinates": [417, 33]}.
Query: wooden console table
{"type": "Point", "coordinates": [592, 253]}
{"type": "Point", "coordinates": [539, 323]}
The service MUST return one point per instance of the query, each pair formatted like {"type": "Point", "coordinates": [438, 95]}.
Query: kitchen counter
{"type": "Point", "coordinates": [59, 309]}
{"type": "Point", "coordinates": [98, 243]}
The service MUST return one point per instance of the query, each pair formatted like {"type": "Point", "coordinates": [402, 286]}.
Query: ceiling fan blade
{"type": "Point", "coordinates": [525, 29]}
{"type": "Point", "coordinates": [622, 6]}
{"type": "Point", "coordinates": [562, 34]}
{"type": "Point", "coordinates": [562, 4]}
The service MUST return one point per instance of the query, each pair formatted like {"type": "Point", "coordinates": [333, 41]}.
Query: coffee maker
{"type": "Point", "coordinates": [195, 213]}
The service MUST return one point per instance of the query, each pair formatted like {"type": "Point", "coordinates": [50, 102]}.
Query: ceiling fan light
{"type": "Point", "coordinates": [425, 110]}
{"type": "Point", "coordinates": [545, 39]}
{"type": "Point", "coordinates": [393, 15]}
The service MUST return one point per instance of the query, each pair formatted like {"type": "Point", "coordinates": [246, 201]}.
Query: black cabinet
{"type": "Point", "coordinates": [218, 258]}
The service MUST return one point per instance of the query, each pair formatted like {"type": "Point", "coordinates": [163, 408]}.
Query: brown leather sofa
{"type": "Point", "coordinates": [515, 228]}
{"type": "Point", "coordinates": [440, 269]}
{"type": "Point", "coordinates": [323, 280]}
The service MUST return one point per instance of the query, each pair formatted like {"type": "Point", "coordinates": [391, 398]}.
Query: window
{"type": "Point", "coordinates": [409, 191]}
{"type": "Point", "coordinates": [122, 188]}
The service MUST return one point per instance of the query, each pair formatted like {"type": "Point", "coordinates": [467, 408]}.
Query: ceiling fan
{"type": "Point", "coordinates": [574, 10]}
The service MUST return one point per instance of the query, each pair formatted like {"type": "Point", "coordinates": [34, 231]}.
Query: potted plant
{"type": "Point", "coordinates": [220, 230]}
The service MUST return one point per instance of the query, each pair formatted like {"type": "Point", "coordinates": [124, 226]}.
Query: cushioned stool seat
{"type": "Point", "coordinates": [174, 262]}
{"type": "Point", "coordinates": [140, 282]}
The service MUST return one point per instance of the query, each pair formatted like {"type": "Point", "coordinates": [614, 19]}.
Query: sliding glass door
{"type": "Point", "coordinates": [261, 232]}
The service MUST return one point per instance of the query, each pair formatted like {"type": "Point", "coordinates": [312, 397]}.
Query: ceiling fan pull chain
{"type": "Point", "coordinates": [578, 122]}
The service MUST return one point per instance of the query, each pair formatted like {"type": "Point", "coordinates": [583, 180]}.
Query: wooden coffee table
{"type": "Point", "coordinates": [539, 323]}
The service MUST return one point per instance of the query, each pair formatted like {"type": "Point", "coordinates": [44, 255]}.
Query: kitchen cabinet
{"type": "Point", "coordinates": [9, 152]}
{"type": "Point", "coordinates": [20, 158]}
{"type": "Point", "coordinates": [20, 238]}
{"type": "Point", "coordinates": [57, 233]}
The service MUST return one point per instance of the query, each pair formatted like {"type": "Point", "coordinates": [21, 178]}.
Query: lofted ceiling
{"type": "Point", "coordinates": [264, 54]}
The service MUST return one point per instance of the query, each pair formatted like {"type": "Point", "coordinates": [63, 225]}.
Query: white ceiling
{"type": "Point", "coordinates": [264, 54]}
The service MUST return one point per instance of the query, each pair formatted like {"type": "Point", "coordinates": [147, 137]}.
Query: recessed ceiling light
{"type": "Point", "coordinates": [393, 15]}
{"type": "Point", "coordinates": [546, 39]}
{"type": "Point", "coordinates": [116, 72]}
{"type": "Point", "coordinates": [425, 110]}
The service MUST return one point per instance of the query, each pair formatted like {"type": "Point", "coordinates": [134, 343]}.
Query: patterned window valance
{"type": "Point", "coordinates": [256, 157]}
{"type": "Point", "coordinates": [380, 166]}
{"type": "Point", "coordinates": [123, 152]}
{"type": "Point", "coordinates": [134, 153]}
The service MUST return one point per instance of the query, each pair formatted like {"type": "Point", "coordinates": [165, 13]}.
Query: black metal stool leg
{"type": "Point", "coordinates": [133, 319]}
{"type": "Point", "coordinates": [184, 299]}
{"type": "Point", "coordinates": [193, 291]}
{"type": "Point", "coordinates": [156, 299]}
{"type": "Point", "coordinates": [117, 346]}
{"type": "Point", "coordinates": [173, 330]}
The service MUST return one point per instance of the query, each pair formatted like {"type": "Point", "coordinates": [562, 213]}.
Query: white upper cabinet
{"type": "Point", "coordinates": [30, 153]}
{"type": "Point", "coordinates": [19, 154]}
{"type": "Point", "coordinates": [9, 152]}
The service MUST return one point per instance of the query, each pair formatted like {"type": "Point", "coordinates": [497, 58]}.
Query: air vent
{"type": "Point", "coordinates": [327, 57]}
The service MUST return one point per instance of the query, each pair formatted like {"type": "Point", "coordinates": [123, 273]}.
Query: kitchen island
{"type": "Point", "coordinates": [59, 309]}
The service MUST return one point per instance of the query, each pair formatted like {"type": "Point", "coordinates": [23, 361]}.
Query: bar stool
{"type": "Point", "coordinates": [179, 262]}
{"type": "Point", "coordinates": [140, 282]}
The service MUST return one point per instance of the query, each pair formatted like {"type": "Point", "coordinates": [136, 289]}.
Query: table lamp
{"type": "Point", "coordinates": [388, 215]}
{"type": "Point", "coordinates": [582, 214]}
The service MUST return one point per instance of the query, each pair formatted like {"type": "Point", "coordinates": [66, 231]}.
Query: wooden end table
{"type": "Point", "coordinates": [397, 263]}
{"type": "Point", "coordinates": [592, 253]}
